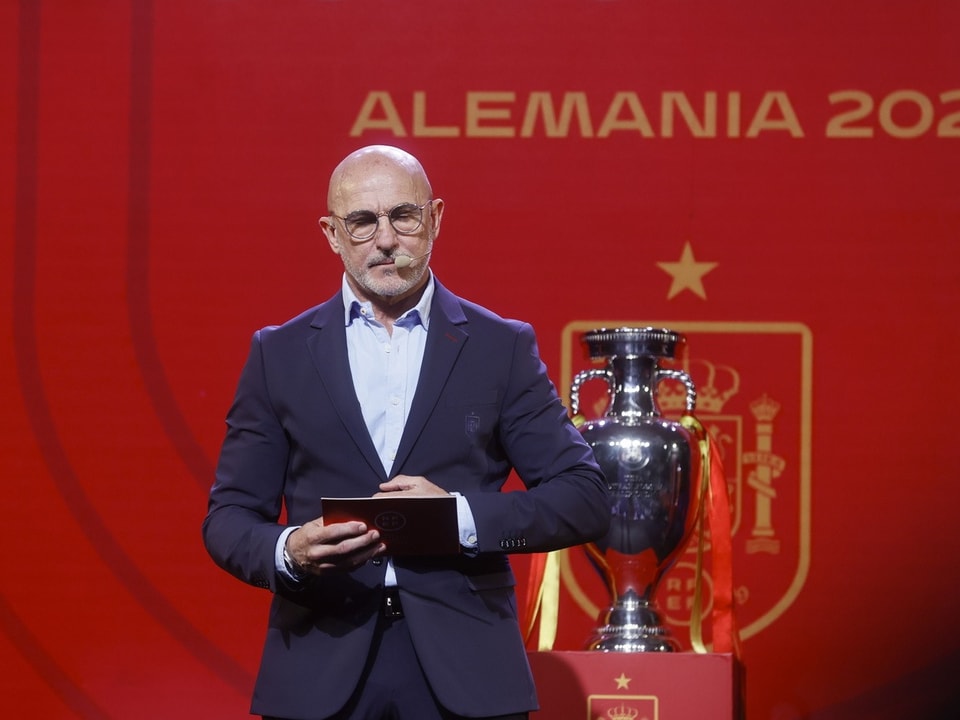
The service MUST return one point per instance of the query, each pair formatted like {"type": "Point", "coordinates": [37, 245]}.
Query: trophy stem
{"type": "Point", "coordinates": [632, 623]}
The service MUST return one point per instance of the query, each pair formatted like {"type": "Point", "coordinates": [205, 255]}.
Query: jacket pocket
{"type": "Point", "coordinates": [491, 581]}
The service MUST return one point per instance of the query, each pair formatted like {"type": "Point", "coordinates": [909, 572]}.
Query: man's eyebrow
{"type": "Point", "coordinates": [355, 213]}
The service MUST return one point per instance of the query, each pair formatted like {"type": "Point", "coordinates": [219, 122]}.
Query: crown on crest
{"type": "Point", "coordinates": [765, 408]}
{"type": "Point", "coordinates": [622, 713]}
{"type": "Point", "coordinates": [722, 382]}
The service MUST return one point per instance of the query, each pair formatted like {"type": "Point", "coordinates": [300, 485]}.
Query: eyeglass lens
{"type": "Point", "coordinates": [405, 219]}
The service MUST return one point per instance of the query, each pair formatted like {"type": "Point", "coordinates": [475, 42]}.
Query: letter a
{"type": "Point", "coordinates": [390, 120]}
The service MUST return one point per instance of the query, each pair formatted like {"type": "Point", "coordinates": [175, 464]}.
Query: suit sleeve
{"type": "Point", "coordinates": [566, 502]}
{"type": "Point", "coordinates": [240, 530]}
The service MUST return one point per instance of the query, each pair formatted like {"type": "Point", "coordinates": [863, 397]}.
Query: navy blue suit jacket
{"type": "Point", "coordinates": [295, 433]}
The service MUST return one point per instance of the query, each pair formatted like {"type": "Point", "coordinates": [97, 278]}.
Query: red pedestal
{"type": "Point", "coordinates": [637, 686]}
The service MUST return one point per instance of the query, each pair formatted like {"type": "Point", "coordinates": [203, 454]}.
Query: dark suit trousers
{"type": "Point", "coordinates": [393, 686]}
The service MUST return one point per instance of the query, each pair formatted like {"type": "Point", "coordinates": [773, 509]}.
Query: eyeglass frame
{"type": "Point", "coordinates": [386, 214]}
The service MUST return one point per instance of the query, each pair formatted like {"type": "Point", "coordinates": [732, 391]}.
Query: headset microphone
{"type": "Point", "coordinates": [402, 261]}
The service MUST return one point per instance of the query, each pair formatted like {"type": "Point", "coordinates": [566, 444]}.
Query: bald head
{"type": "Point", "coordinates": [373, 167]}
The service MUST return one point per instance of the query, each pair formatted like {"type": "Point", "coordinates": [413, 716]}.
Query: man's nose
{"type": "Point", "coordinates": [386, 236]}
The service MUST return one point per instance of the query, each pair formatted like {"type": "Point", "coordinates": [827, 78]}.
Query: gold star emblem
{"type": "Point", "coordinates": [623, 682]}
{"type": "Point", "coordinates": [687, 273]}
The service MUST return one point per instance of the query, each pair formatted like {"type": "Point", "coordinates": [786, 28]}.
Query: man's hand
{"type": "Point", "coordinates": [316, 548]}
{"type": "Point", "coordinates": [410, 485]}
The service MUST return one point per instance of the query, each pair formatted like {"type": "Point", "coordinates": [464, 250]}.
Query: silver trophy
{"type": "Point", "coordinates": [653, 467]}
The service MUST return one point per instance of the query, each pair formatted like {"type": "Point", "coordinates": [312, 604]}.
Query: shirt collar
{"type": "Point", "coordinates": [353, 307]}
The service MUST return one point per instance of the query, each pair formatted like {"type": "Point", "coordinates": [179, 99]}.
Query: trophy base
{"type": "Point", "coordinates": [630, 640]}
{"type": "Point", "coordinates": [632, 626]}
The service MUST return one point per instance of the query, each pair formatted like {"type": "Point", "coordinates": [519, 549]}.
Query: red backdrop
{"type": "Point", "coordinates": [778, 180]}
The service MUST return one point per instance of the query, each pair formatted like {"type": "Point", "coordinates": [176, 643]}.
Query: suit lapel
{"type": "Point", "coordinates": [328, 349]}
{"type": "Point", "coordinates": [446, 339]}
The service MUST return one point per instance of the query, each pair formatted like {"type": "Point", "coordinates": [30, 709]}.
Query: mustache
{"type": "Point", "coordinates": [381, 259]}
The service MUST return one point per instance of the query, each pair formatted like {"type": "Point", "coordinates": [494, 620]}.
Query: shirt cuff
{"type": "Point", "coordinates": [468, 526]}
{"type": "Point", "coordinates": [282, 567]}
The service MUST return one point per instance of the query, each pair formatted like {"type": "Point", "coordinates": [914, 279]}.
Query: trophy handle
{"type": "Point", "coordinates": [682, 377]}
{"type": "Point", "coordinates": [583, 376]}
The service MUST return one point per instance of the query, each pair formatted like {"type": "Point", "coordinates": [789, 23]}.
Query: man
{"type": "Point", "coordinates": [394, 386]}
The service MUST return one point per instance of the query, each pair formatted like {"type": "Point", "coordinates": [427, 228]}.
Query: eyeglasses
{"type": "Point", "coordinates": [405, 218]}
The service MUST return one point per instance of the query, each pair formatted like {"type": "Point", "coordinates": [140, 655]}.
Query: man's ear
{"type": "Point", "coordinates": [436, 211]}
{"type": "Point", "coordinates": [329, 229]}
